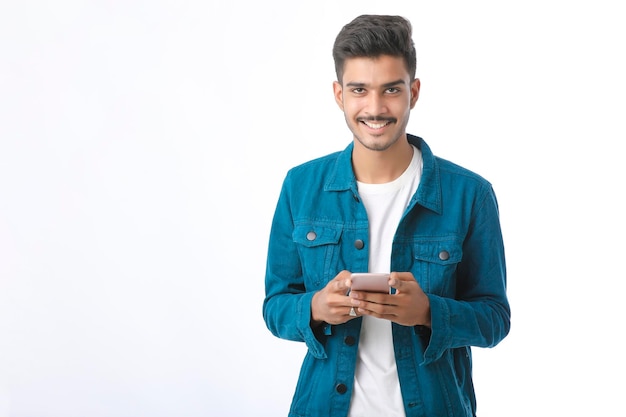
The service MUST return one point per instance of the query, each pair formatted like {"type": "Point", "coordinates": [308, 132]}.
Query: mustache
{"type": "Point", "coordinates": [377, 119]}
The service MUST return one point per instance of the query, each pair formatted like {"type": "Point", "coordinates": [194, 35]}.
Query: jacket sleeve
{"type": "Point", "coordinates": [287, 303]}
{"type": "Point", "coordinates": [479, 315]}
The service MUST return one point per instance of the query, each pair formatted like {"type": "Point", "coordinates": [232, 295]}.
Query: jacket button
{"type": "Point", "coordinates": [311, 236]}
{"type": "Point", "coordinates": [349, 340]}
{"type": "Point", "coordinates": [444, 255]}
{"type": "Point", "coordinates": [359, 244]}
{"type": "Point", "coordinates": [341, 388]}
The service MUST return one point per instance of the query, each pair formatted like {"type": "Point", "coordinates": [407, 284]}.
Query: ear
{"type": "Point", "coordinates": [338, 93]}
{"type": "Point", "coordinates": [415, 91]}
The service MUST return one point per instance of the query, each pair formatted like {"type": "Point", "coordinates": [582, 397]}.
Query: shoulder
{"type": "Point", "coordinates": [331, 172]}
{"type": "Point", "coordinates": [321, 163]}
{"type": "Point", "coordinates": [458, 172]}
{"type": "Point", "coordinates": [438, 166]}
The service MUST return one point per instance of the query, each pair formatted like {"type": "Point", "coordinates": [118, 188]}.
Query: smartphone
{"type": "Point", "coordinates": [370, 281]}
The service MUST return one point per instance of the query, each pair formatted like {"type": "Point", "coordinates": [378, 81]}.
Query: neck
{"type": "Point", "coordinates": [379, 167]}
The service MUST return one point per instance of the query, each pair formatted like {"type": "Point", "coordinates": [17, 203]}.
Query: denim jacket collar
{"type": "Point", "coordinates": [428, 194]}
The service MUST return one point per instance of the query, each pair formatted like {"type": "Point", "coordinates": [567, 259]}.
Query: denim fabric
{"type": "Point", "coordinates": [449, 238]}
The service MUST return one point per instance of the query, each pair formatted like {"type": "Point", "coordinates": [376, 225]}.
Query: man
{"type": "Point", "coordinates": [385, 204]}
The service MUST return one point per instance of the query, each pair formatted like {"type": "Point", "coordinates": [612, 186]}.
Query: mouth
{"type": "Point", "coordinates": [376, 124]}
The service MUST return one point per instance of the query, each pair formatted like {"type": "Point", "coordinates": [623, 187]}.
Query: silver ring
{"type": "Point", "coordinates": [352, 312]}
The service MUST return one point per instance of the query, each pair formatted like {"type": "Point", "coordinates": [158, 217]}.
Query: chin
{"type": "Point", "coordinates": [375, 144]}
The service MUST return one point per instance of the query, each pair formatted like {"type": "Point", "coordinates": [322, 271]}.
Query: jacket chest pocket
{"type": "Point", "coordinates": [318, 247]}
{"type": "Point", "coordinates": [436, 262]}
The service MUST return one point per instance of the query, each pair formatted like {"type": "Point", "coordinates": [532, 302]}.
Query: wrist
{"type": "Point", "coordinates": [315, 321]}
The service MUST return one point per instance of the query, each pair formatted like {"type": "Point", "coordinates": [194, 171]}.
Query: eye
{"type": "Point", "coordinates": [358, 90]}
{"type": "Point", "coordinates": [392, 90]}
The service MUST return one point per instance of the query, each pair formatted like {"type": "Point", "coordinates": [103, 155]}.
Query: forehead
{"type": "Point", "coordinates": [377, 70]}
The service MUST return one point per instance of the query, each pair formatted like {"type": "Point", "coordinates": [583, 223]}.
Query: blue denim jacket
{"type": "Point", "coordinates": [449, 238]}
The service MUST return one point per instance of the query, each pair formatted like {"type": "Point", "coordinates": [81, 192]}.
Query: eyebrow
{"type": "Point", "coordinates": [387, 85]}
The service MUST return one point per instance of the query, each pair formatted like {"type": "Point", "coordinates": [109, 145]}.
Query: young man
{"type": "Point", "coordinates": [385, 204]}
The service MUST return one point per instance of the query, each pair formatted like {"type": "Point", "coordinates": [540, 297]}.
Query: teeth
{"type": "Point", "coordinates": [376, 125]}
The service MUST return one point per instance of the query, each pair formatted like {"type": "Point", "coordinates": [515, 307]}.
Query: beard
{"type": "Point", "coordinates": [372, 143]}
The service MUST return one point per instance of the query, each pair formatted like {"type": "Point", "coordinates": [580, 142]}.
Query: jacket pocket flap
{"type": "Point", "coordinates": [443, 252]}
{"type": "Point", "coordinates": [311, 235]}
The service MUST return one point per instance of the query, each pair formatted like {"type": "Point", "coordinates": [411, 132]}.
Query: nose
{"type": "Point", "coordinates": [376, 104]}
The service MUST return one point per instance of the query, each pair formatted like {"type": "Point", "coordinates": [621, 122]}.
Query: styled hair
{"type": "Point", "coordinates": [371, 36]}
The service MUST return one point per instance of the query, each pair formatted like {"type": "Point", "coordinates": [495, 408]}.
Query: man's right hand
{"type": "Point", "coordinates": [331, 304]}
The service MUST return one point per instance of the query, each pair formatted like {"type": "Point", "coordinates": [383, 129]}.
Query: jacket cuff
{"type": "Point", "coordinates": [304, 326]}
{"type": "Point", "coordinates": [440, 329]}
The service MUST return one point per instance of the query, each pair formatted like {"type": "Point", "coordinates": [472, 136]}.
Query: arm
{"type": "Point", "coordinates": [286, 308]}
{"type": "Point", "coordinates": [479, 315]}
{"type": "Point", "coordinates": [291, 310]}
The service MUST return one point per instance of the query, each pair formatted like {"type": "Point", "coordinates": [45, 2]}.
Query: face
{"type": "Point", "coordinates": [376, 96]}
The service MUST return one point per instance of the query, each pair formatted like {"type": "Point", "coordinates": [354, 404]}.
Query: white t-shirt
{"type": "Point", "coordinates": [376, 386]}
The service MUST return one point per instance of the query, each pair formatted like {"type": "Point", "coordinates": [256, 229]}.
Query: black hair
{"type": "Point", "coordinates": [372, 36]}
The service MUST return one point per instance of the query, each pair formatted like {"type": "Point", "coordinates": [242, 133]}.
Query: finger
{"type": "Point", "coordinates": [342, 282]}
{"type": "Point", "coordinates": [376, 310]}
{"type": "Point", "coordinates": [338, 284]}
{"type": "Point", "coordinates": [402, 276]}
{"type": "Point", "coordinates": [395, 283]}
{"type": "Point", "coordinates": [404, 286]}
{"type": "Point", "coordinates": [394, 279]}
{"type": "Point", "coordinates": [342, 286]}
{"type": "Point", "coordinates": [398, 280]}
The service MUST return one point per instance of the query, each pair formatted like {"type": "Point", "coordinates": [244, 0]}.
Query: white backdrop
{"type": "Point", "coordinates": [143, 145]}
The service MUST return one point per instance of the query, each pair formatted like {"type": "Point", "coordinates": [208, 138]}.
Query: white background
{"type": "Point", "coordinates": [143, 145]}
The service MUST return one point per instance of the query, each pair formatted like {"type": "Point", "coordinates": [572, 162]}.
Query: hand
{"type": "Point", "coordinates": [409, 306]}
{"type": "Point", "coordinates": [331, 304]}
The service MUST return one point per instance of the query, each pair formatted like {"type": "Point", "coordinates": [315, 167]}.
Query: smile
{"type": "Point", "coordinates": [373, 125]}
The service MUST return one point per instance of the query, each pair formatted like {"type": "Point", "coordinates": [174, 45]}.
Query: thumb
{"type": "Point", "coordinates": [341, 282]}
